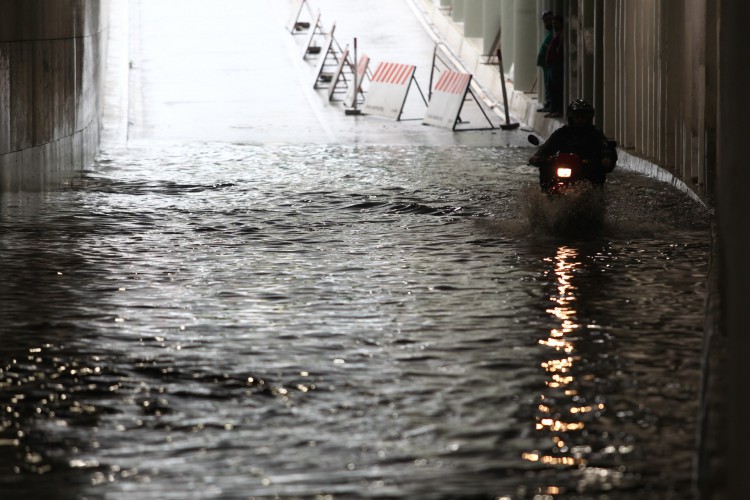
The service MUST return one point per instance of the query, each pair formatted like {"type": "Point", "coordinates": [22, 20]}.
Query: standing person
{"type": "Point", "coordinates": [556, 61]}
{"type": "Point", "coordinates": [541, 59]}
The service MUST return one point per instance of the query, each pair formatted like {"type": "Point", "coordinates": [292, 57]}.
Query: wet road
{"type": "Point", "coordinates": [342, 316]}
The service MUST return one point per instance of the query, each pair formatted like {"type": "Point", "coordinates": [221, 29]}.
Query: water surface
{"type": "Point", "coordinates": [245, 321]}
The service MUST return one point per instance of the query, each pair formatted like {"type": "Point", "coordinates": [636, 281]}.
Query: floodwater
{"type": "Point", "coordinates": [240, 321]}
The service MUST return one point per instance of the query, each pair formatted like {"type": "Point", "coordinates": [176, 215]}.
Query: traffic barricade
{"type": "Point", "coordinates": [389, 88]}
{"type": "Point", "coordinates": [295, 26]}
{"type": "Point", "coordinates": [316, 32]}
{"type": "Point", "coordinates": [447, 99]}
{"type": "Point", "coordinates": [339, 74]}
{"type": "Point", "coordinates": [329, 58]}
{"type": "Point", "coordinates": [355, 93]}
{"type": "Point", "coordinates": [452, 90]}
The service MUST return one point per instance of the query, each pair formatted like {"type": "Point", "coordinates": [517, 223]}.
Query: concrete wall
{"type": "Point", "coordinates": [52, 55]}
{"type": "Point", "coordinates": [733, 207]}
{"type": "Point", "coordinates": [660, 58]}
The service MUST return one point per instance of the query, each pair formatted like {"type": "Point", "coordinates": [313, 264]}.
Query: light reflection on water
{"type": "Point", "coordinates": [560, 421]}
{"type": "Point", "coordinates": [346, 320]}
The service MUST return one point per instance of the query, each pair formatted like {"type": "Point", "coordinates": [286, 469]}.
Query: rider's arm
{"type": "Point", "coordinates": [552, 145]}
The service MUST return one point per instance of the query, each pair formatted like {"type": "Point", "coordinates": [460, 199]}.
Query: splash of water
{"type": "Point", "coordinates": [581, 211]}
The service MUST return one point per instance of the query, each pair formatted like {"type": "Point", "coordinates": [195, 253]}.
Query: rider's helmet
{"type": "Point", "coordinates": [580, 113]}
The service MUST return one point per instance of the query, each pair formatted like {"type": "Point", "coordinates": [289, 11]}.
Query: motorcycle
{"type": "Point", "coordinates": [559, 172]}
{"type": "Point", "coordinates": [562, 171]}
{"type": "Point", "coordinates": [571, 201]}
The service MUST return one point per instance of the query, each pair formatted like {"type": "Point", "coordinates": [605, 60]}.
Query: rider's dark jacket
{"type": "Point", "coordinates": [588, 142]}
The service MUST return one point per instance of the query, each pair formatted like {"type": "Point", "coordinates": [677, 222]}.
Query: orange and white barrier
{"type": "Point", "coordinates": [360, 74]}
{"type": "Point", "coordinates": [447, 99]}
{"type": "Point", "coordinates": [389, 87]}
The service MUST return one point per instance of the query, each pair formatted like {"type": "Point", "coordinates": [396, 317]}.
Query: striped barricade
{"type": "Point", "coordinates": [388, 89]}
{"type": "Point", "coordinates": [447, 99]}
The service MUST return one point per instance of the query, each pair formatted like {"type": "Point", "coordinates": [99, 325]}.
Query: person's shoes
{"type": "Point", "coordinates": [543, 109]}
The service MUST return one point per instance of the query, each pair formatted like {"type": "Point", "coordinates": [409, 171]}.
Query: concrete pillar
{"type": "Point", "coordinates": [560, 7]}
{"type": "Point", "coordinates": [673, 84]}
{"type": "Point", "coordinates": [630, 75]}
{"type": "Point", "coordinates": [473, 11]}
{"type": "Point", "coordinates": [458, 10]}
{"type": "Point", "coordinates": [491, 23]}
{"type": "Point", "coordinates": [51, 76]}
{"type": "Point", "coordinates": [712, 93]}
{"type": "Point", "coordinates": [586, 47]}
{"type": "Point", "coordinates": [507, 29]}
{"type": "Point", "coordinates": [524, 46]}
{"type": "Point", "coordinates": [569, 12]}
{"type": "Point", "coordinates": [598, 98]}
{"type": "Point", "coordinates": [608, 110]}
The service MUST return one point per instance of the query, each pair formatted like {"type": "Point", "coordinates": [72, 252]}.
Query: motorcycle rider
{"type": "Point", "coordinates": [581, 137]}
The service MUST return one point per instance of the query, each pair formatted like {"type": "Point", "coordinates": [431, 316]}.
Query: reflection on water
{"type": "Point", "coordinates": [233, 321]}
{"type": "Point", "coordinates": [558, 410]}
{"type": "Point", "coordinates": [562, 408]}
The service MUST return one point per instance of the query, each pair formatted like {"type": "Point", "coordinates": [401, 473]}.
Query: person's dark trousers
{"type": "Point", "coordinates": [547, 75]}
{"type": "Point", "coordinates": [557, 87]}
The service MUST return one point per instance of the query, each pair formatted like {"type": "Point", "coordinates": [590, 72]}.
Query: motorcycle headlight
{"type": "Point", "coordinates": [564, 172]}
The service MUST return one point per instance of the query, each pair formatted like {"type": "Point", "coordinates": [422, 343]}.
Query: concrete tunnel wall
{"type": "Point", "coordinates": [52, 61]}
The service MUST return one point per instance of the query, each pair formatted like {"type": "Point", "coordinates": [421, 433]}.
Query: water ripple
{"type": "Point", "coordinates": [360, 321]}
